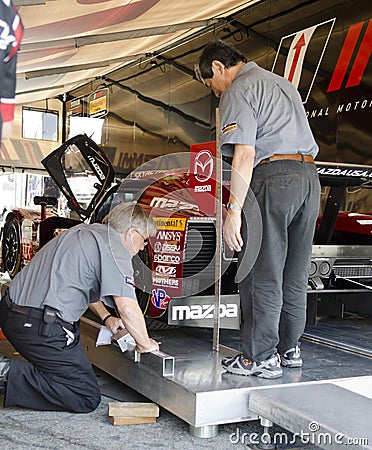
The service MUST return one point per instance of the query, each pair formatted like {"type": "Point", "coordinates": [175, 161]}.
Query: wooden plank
{"type": "Point", "coordinates": [131, 420]}
{"type": "Point", "coordinates": [133, 409]}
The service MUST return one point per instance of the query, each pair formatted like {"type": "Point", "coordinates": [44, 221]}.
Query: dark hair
{"type": "Point", "coordinates": [218, 50]}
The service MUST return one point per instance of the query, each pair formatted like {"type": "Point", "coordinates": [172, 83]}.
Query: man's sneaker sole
{"type": "Point", "coordinates": [291, 358]}
{"type": "Point", "coordinates": [291, 364]}
{"type": "Point", "coordinates": [269, 374]}
{"type": "Point", "coordinates": [260, 373]}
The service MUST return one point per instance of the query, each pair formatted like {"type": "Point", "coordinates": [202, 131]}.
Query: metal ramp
{"type": "Point", "coordinates": [200, 392]}
{"type": "Point", "coordinates": [329, 415]}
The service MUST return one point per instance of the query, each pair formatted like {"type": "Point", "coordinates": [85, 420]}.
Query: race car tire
{"type": "Point", "coordinates": [11, 246]}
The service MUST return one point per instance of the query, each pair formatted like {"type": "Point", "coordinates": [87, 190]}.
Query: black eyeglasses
{"type": "Point", "coordinates": [145, 240]}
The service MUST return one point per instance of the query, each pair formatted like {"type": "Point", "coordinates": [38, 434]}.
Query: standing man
{"type": "Point", "coordinates": [265, 129]}
{"type": "Point", "coordinates": [40, 314]}
{"type": "Point", "coordinates": [10, 37]}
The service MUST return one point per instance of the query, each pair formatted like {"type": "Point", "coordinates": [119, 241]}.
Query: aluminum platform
{"type": "Point", "coordinates": [200, 392]}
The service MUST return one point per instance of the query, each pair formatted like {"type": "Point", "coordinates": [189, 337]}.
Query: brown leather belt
{"type": "Point", "coordinates": [289, 156]}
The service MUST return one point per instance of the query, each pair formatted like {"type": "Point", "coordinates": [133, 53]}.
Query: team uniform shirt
{"type": "Point", "coordinates": [11, 31]}
{"type": "Point", "coordinates": [264, 110]}
{"type": "Point", "coordinates": [83, 265]}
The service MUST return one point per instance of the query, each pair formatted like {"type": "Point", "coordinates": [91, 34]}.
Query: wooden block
{"type": "Point", "coordinates": [133, 409]}
{"type": "Point", "coordinates": [131, 420]}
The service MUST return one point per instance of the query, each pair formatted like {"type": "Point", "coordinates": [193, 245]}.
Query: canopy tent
{"type": "Point", "coordinates": [69, 42]}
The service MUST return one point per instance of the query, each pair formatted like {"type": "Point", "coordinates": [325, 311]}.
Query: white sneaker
{"type": "Point", "coordinates": [292, 358]}
{"type": "Point", "coordinates": [240, 365]}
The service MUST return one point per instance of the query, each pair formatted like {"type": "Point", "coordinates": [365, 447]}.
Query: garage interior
{"type": "Point", "coordinates": [142, 63]}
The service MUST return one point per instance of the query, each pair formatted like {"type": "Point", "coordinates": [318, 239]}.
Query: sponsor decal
{"type": "Point", "coordinates": [167, 255]}
{"type": "Point", "coordinates": [193, 312]}
{"type": "Point", "coordinates": [170, 248]}
{"type": "Point", "coordinates": [229, 127]}
{"type": "Point", "coordinates": [340, 172]}
{"type": "Point", "coordinates": [165, 271]}
{"type": "Point", "coordinates": [169, 259]}
{"type": "Point", "coordinates": [153, 173]}
{"type": "Point", "coordinates": [203, 188]}
{"type": "Point", "coordinates": [173, 223]}
{"type": "Point", "coordinates": [97, 168]}
{"type": "Point", "coordinates": [168, 203]}
{"type": "Point", "coordinates": [157, 247]}
{"type": "Point", "coordinates": [130, 280]}
{"type": "Point", "coordinates": [203, 176]}
{"type": "Point", "coordinates": [165, 247]}
{"type": "Point", "coordinates": [159, 298]}
{"type": "Point", "coordinates": [169, 235]}
{"type": "Point", "coordinates": [165, 282]}
{"type": "Point", "coordinates": [203, 166]}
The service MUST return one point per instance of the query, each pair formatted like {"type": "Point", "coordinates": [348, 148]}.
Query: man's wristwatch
{"type": "Point", "coordinates": [233, 207]}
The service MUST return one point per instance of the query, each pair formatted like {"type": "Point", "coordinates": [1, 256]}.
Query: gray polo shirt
{"type": "Point", "coordinates": [265, 111]}
{"type": "Point", "coordinates": [80, 266]}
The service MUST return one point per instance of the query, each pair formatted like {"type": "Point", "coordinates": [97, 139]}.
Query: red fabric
{"type": "Point", "coordinates": [7, 111]}
{"type": "Point", "coordinates": [10, 41]}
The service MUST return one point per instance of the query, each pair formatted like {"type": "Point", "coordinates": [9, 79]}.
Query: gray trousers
{"type": "Point", "coordinates": [273, 294]}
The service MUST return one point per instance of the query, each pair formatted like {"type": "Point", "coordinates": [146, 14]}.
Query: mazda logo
{"type": "Point", "coordinates": [203, 166]}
